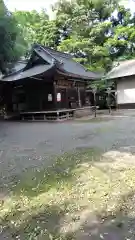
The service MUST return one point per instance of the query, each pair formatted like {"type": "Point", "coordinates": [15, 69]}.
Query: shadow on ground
{"type": "Point", "coordinates": [64, 201]}
{"type": "Point", "coordinates": [49, 223]}
{"type": "Point", "coordinates": [35, 181]}
{"type": "Point", "coordinates": [107, 225]}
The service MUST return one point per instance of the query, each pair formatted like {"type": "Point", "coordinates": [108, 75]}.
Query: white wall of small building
{"type": "Point", "coordinates": [126, 90]}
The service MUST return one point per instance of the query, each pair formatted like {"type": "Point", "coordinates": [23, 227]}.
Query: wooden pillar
{"type": "Point", "coordinates": [116, 95]}
{"type": "Point", "coordinates": [79, 97]}
{"type": "Point", "coordinates": [67, 98]}
{"type": "Point", "coordinates": [54, 95]}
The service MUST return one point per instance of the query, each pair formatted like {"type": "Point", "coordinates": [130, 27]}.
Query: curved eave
{"type": "Point", "coordinates": [30, 73]}
{"type": "Point", "coordinates": [92, 78]}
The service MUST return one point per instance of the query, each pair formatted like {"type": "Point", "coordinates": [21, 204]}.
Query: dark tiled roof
{"type": "Point", "coordinates": [57, 53]}
{"type": "Point", "coordinates": [50, 58]}
{"type": "Point", "coordinates": [71, 67]}
{"type": "Point", "coordinates": [66, 64]}
{"type": "Point", "coordinates": [28, 73]}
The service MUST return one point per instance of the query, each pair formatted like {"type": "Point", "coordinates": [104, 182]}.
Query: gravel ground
{"type": "Point", "coordinates": [24, 144]}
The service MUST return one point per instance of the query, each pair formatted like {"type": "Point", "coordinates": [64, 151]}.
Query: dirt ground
{"type": "Point", "coordinates": [25, 146]}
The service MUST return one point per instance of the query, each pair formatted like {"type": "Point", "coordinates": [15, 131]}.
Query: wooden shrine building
{"type": "Point", "coordinates": [50, 81]}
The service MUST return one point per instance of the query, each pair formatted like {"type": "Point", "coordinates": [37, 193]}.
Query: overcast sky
{"type": "Point", "coordinates": [38, 4]}
{"type": "Point", "coordinates": [29, 4]}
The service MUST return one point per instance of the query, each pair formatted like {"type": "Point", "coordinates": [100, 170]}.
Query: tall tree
{"type": "Point", "coordinates": [85, 28]}
{"type": "Point", "coordinates": [8, 37]}
{"type": "Point", "coordinates": [89, 21]}
{"type": "Point", "coordinates": [122, 35]}
{"type": "Point", "coordinates": [37, 28]}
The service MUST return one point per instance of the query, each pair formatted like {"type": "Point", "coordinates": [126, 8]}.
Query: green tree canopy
{"type": "Point", "coordinates": [87, 29]}
{"type": "Point", "coordinates": [89, 21]}
{"type": "Point", "coordinates": [37, 28]}
{"type": "Point", "coordinates": [9, 38]}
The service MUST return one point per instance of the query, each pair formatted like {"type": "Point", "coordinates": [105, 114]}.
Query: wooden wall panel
{"type": "Point", "coordinates": [63, 81]}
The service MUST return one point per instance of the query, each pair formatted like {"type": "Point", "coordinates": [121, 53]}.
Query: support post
{"type": "Point", "coordinates": [95, 105]}
{"type": "Point", "coordinates": [116, 100]}
{"type": "Point", "coordinates": [58, 116]}
{"type": "Point", "coordinates": [79, 97]}
{"type": "Point", "coordinates": [109, 99]}
{"type": "Point", "coordinates": [44, 117]}
{"type": "Point", "coordinates": [94, 90]}
{"type": "Point", "coordinates": [54, 95]}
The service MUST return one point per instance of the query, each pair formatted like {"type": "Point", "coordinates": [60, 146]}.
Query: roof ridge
{"type": "Point", "coordinates": [43, 48]}
{"type": "Point", "coordinates": [67, 55]}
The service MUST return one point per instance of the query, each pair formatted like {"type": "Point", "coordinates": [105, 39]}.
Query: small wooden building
{"type": "Point", "coordinates": [49, 81]}
{"type": "Point", "coordinates": [123, 74]}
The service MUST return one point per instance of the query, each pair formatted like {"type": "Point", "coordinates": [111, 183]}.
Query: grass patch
{"type": "Point", "coordinates": [82, 193]}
